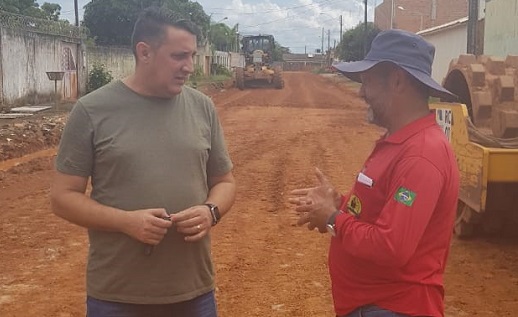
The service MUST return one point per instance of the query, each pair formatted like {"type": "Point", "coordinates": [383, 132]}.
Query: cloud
{"type": "Point", "coordinates": [296, 24]}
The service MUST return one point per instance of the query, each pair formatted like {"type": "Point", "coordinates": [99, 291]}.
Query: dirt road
{"type": "Point", "coordinates": [266, 266]}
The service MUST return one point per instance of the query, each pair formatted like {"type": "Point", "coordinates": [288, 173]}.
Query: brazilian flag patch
{"type": "Point", "coordinates": [405, 196]}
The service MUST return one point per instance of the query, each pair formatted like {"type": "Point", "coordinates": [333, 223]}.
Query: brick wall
{"type": "Point", "coordinates": [419, 14]}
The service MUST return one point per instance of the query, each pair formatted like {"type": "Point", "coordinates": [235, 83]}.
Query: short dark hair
{"type": "Point", "coordinates": [151, 25]}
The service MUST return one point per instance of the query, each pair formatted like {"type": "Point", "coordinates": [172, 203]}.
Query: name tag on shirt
{"type": "Point", "coordinates": [365, 180]}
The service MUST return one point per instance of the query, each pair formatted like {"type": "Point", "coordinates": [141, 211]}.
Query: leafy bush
{"type": "Point", "coordinates": [198, 72]}
{"type": "Point", "coordinates": [218, 69]}
{"type": "Point", "coordinates": [98, 77]}
{"type": "Point", "coordinates": [196, 76]}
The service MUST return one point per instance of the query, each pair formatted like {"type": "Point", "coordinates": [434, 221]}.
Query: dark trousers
{"type": "Point", "coordinates": [201, 306]}
{"type": "Point", "coordinates": [373, 311]}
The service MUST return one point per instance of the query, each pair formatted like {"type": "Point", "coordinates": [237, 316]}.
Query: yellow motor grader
{"type": "Point", "coordinates": [258, 69]}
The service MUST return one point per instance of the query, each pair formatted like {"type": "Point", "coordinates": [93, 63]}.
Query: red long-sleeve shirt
{"type": "Point", "coordinates": [392, 245]}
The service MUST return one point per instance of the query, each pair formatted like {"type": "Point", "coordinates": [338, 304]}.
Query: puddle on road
{"type": "Point", "coordinates": [5, 165]}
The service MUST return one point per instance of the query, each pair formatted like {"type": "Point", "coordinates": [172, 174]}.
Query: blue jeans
{"type": "Point", "coordinates": [373, 311]}
{"type": "Point", "coordinates": [201, 306]}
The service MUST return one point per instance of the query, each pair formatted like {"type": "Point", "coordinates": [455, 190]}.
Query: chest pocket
{"type": "Point", "coordinates": [367, 198]}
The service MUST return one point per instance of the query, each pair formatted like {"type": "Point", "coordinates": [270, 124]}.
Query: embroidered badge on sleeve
{"type": "Point", "coordinates": [354, 206]}
{"type": "Point", "coordinates": [405, 196]}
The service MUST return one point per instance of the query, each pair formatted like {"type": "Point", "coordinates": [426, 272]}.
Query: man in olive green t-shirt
{"type": "Point", "coordinates": [161, 178]}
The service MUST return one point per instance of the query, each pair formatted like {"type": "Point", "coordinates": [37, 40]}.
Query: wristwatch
{"type": "Point", "coordinates": [214, 212]}
{"type": "Point", "coordinates": [331, 223]}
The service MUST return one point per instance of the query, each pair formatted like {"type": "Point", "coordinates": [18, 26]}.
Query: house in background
{"type": "Point", "coordinates": [418, 15]}
{"type": "Point", "coordinates": [444, 23]}
{"type": "Point", "coordinates": [450, 41]}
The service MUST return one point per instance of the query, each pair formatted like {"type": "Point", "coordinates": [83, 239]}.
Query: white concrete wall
{"type": "Point", "coordinates": [449, 44]}
{"type": "Point", "coordinates": [237, 60]}
{"type": "Point", "coordinates": [203, 58]}
{"type": "Point", "coordinates": [228, 59]}
{"type": "Point", "coordinates": [119, 61]}
{"type": "Point", "coordinates": [501, 28]}
{"type": "Point", "coordinates": [25, 59]}
{"type": "Point", "coordinates": [221, 58]}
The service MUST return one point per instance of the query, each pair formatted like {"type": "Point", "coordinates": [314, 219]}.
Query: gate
{"type": "Point", "coordinates": [69, 66]}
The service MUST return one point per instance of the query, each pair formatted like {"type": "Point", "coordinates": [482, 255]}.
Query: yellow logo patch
{"type": "Point", "coordinates": [354, 205]}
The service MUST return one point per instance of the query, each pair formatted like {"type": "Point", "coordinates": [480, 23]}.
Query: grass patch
{"type": "Point", "coordinates": [195, 81]}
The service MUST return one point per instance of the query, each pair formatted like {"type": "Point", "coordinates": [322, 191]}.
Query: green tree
{"type": "Point", "coordinates": [278, 51]}
{"type": "Point", "coordinates": [223, 38]}
{"type": "Point", "coordinates": [110, 22]}
{"type": "Point", "coordinates": [18, 6]}
{"type": "Point", "coordinates": [51, 11]}
{"type": "Point", "coordinates": [219, 36]}
{"type": "Point", "coordinates": [191, 10]}
{"type": "Point", "coordinates": [351, 46]}
{"type": "Point", "coordinates": [48, 11]}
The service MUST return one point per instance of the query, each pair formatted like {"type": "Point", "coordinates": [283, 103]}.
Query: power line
{"type": "Point", "coordinates": [274, 10]}
{"type": "Point", "coordinates": [296, 14]}
{"type": "Point", "coordinates": [71, 11]}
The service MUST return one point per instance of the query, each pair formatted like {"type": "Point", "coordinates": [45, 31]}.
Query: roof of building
{"type": "Point", "coordinates": [444, 26]}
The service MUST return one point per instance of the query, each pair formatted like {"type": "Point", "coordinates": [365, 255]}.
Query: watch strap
{"type": "Point", "coordinates": [332, 218]}
{"type": "Point", "coordinates": [214, 212]}
{"type": "Point", "coordinates": [331, 223]}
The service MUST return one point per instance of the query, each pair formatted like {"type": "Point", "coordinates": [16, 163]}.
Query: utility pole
{"type": "Point", "coordinates": [322, 51]}
{"type": "Point", "coordinates": [341, 34]}
{"type": "Point", "coordinates": [237, 38]}
{"type": "Point", "coordinates": [392, 12]}
{"type": "Point", "coordinates": [365, 31]}
{"type": "Point", "coordinates": [78, 52]}
{"type": "Point", "coordinates": [328, 40]}
{"type": "Point", "coordinates": [473, 27]}
{"type": "Point", "coordinates": [76, 9]}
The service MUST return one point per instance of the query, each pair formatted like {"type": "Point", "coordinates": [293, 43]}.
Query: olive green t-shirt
{"type": "Point", "coordinates": [144, 152]}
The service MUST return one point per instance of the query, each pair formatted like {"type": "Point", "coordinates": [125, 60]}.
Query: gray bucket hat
{"type": "Point", "coordinates": [405, 49]}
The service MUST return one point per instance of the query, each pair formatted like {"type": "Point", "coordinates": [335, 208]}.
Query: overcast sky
{"type": "Point", "coordinates": [296, 24]}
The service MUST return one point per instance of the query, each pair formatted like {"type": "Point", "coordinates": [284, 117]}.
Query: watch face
{"type": "Point", "coordinates": [331, 230]}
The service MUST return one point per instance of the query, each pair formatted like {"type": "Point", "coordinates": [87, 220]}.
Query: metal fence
{"type": "Point", "coordinates": [17, 22]}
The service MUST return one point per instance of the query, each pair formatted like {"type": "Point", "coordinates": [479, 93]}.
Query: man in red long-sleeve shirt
{"type": "Point", "coordinates": [392, 232]}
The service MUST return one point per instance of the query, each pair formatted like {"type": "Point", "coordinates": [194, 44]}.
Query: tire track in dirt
{"type": "Point", "coordinates": [266, 223]}
{"type": "Point", "coordinates": [272, 254]}
{"type": "Point", "coordinates": [42, 256]}
{"type": "Point", "coordinates": [302, 90]}
{"type": "Point", "coordinates": [265, 265]}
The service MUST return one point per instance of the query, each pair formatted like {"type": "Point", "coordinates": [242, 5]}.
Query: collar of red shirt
{"type": "Point", "coordinates": [409, 130]}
